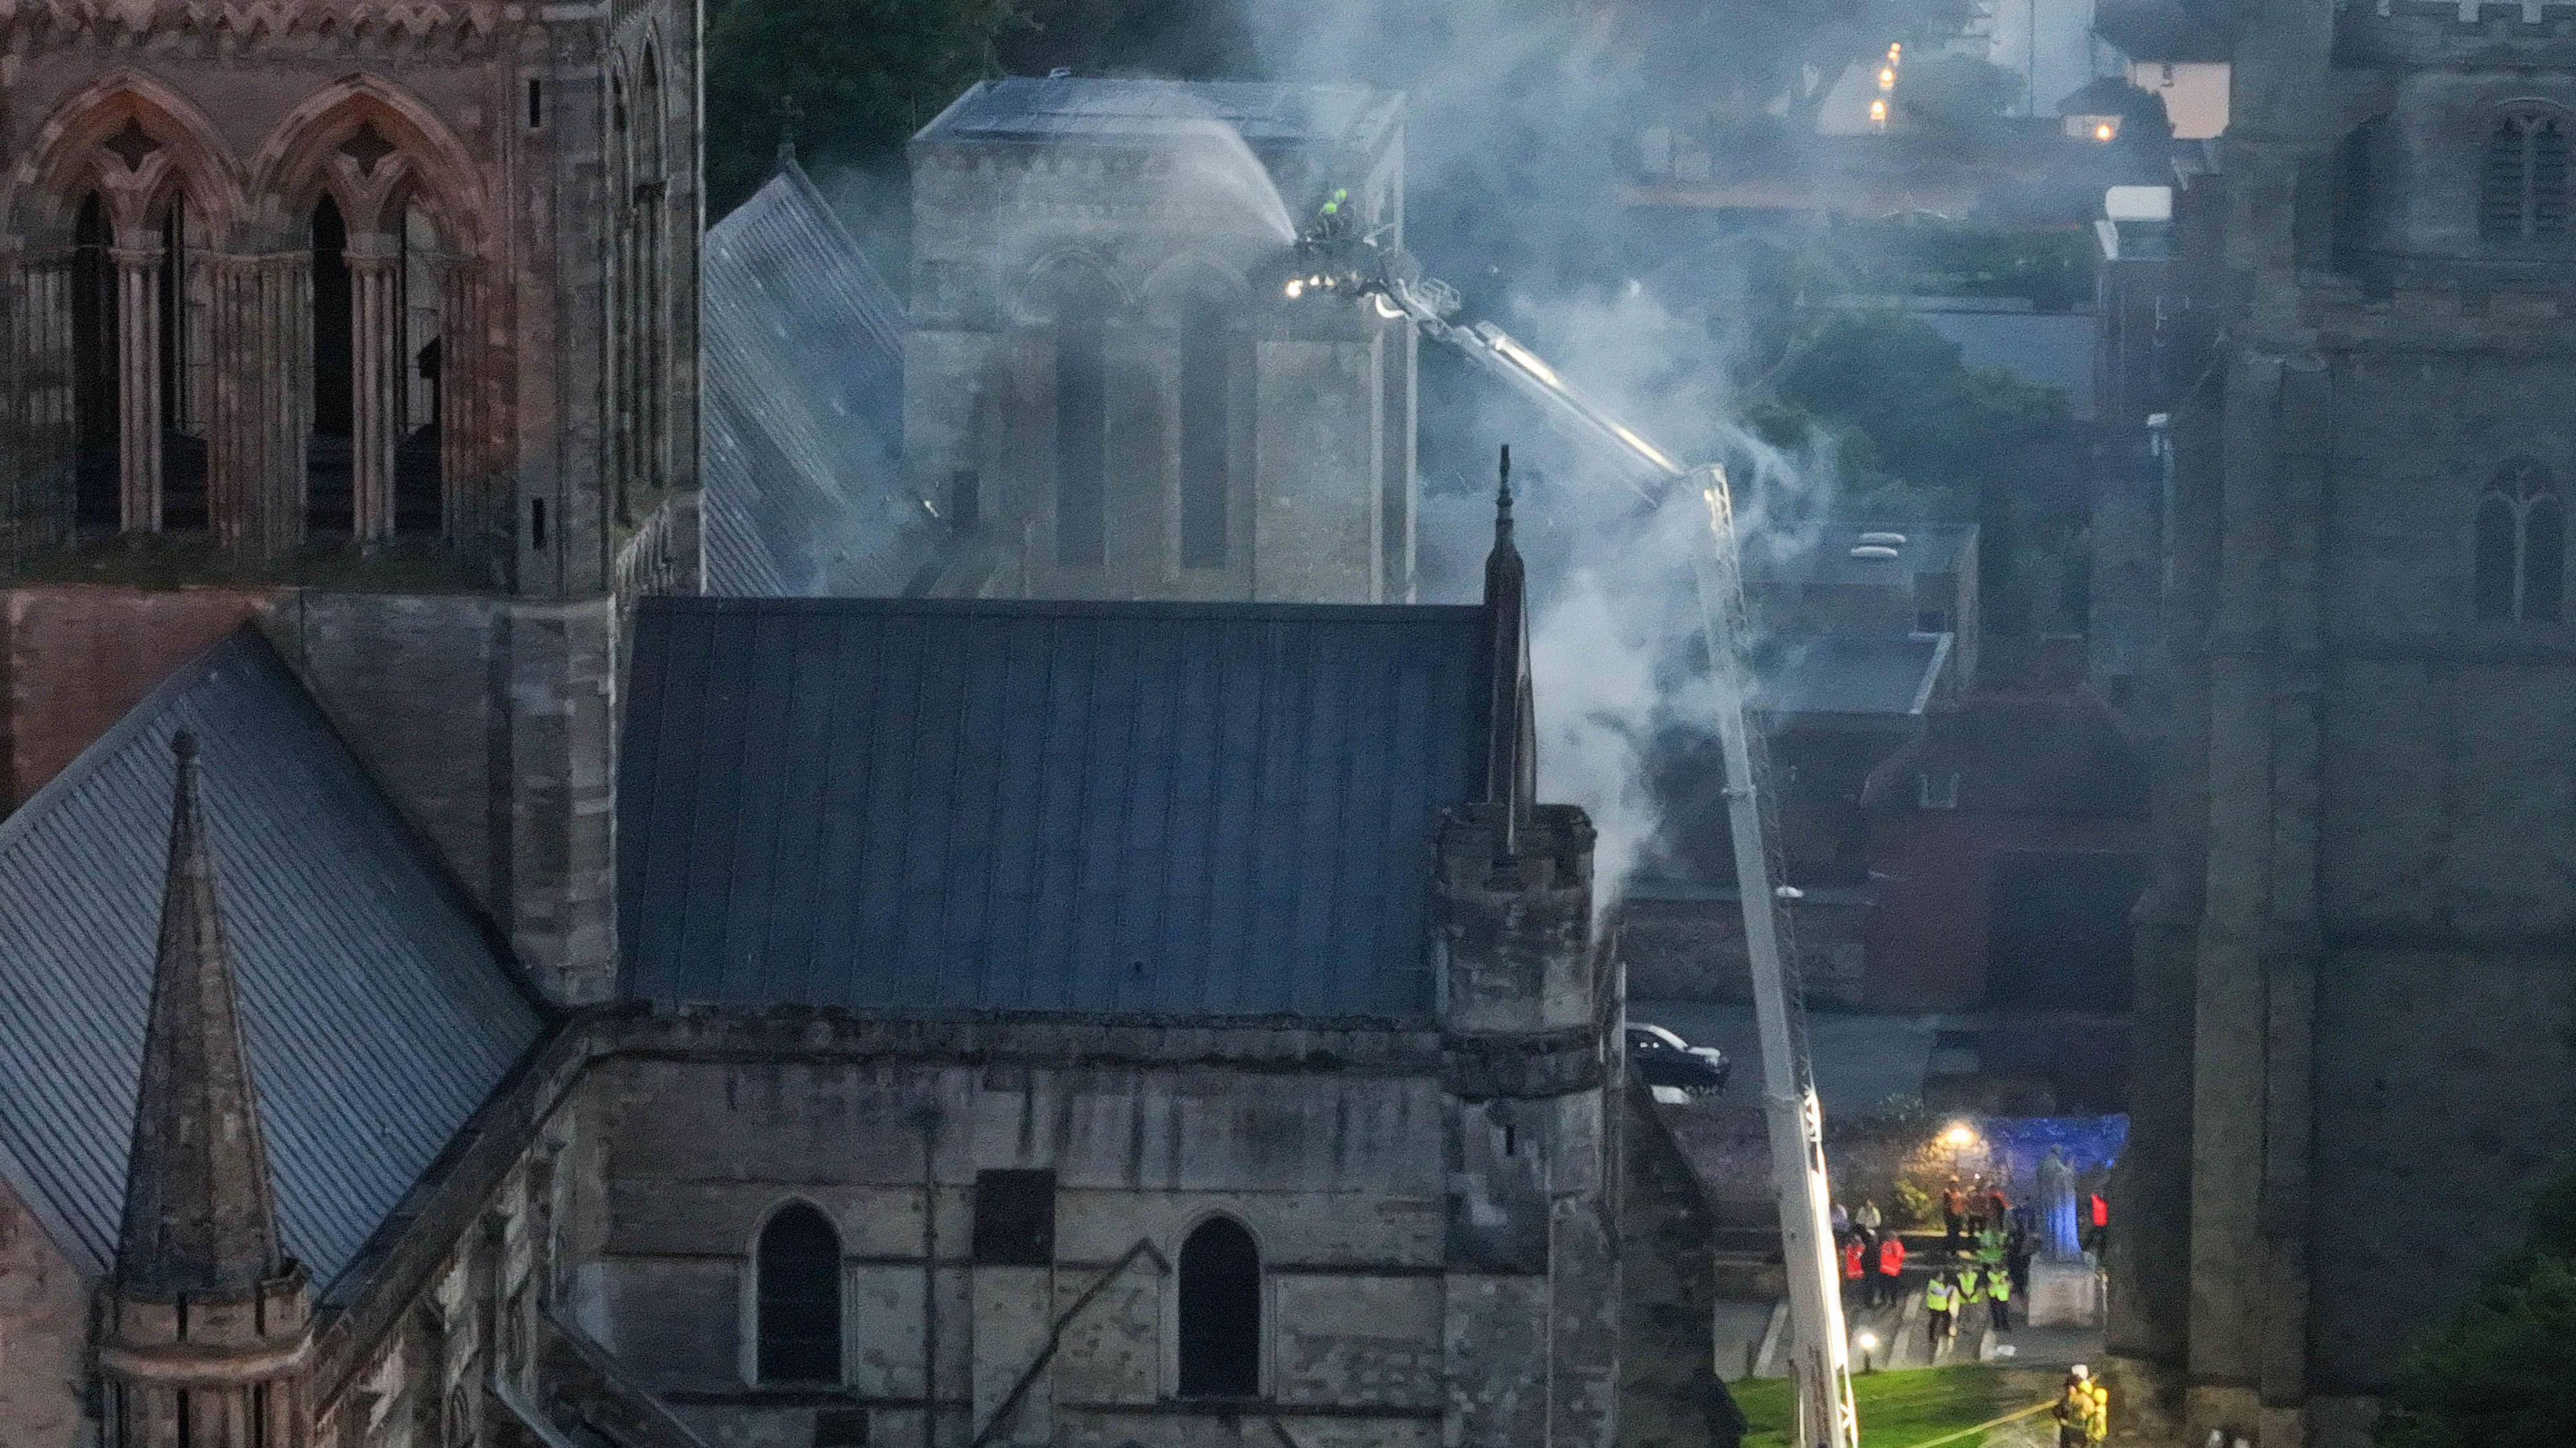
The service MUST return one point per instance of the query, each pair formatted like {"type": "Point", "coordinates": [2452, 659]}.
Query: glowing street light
{"type": "Point", "coordinates": [1895, 51]}
{"type": "Point", "coordinates": [2104, 130]}
{"type": "Point", "coordinates": [1867, 1342]}
{"type": "Point", "coordinates": [1887, 77]}
{"type": "Point", "coordinates": [1878, 113]}
{"type": "Point", "coordinates": [1960, 1136]}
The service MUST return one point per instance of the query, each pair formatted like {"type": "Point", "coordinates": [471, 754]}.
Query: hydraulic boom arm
{"type": "Point", "coordinates": [1796, 1123]}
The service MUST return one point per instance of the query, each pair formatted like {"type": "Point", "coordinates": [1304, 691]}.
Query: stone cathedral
{"type": "Point", "coordinates": [2354, 989]}
{"type": "Point", "coordinates": [464, 988]}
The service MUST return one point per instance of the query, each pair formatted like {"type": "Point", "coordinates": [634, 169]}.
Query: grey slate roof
{"type": "Point", "coordinates": [1103, 110]}
{"type": "Point", "coordinates": [1928, 548]}
{"type": "Point", "coordinates": [803, 417]}
{"type": "Point", "coordinates": [1848, 673]}
{"type": "Point", "coordinates": [1166, 809]}
{"type": "Point", "coordinates": [379, 1015]}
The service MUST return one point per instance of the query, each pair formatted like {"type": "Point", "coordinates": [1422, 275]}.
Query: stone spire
{"type": "Point", "coordinates": [1511, 760]}
{"type": "Point", "coordinates": [199, 1221]}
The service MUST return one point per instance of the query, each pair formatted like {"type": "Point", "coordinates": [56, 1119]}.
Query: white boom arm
{"type": "Point", "coordinates": [1822, 1360]}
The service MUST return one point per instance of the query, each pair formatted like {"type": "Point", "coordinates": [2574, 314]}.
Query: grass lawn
{"type": "Point", "coordinates": [1902, 1409]}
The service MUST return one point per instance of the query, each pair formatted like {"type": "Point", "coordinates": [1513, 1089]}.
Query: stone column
{"type": "Point", "coordinates": [375, 330]}
{"type": "Point", "coordinates": [35, 402]}
{"type": "Point", "coordinates": [461, 422]}
{"type": "Point", "coordinates": [138, 386]}
{"type": "Point", "coordinates": [262, 343]}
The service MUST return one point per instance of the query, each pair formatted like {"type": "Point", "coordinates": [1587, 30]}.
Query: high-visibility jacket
{"type": "Point", "coordinates": [1891, 1255]}
{"type": "Point", "coordinates": [2086, 1407]}
{"type": "Point", "coordinates": [1990, 1246]}
{"type": "Point", "coordinates": [1999, 1284]}
{"type": "Point", "coordinates": [1971, 1289]}
{"type": "Point", "coordinates": [1851, 1261]}
{"type": "Point", "coordinates": [1937, 1297]}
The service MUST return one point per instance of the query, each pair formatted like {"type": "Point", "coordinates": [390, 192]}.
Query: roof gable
{"type": "Point", "coordinates": [1196, 810]}
{"type": "Point", "coordinates": [803, 359]}
{"type": "Point", "coordinates": [378, 1013]}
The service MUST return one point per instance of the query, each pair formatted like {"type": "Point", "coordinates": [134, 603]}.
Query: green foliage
{"type": "Point", "coordinates": [1913, 1204]}
{"type": "Point", "coordinates": [865, 74]}
{"type": "Point", "coordinates": [1940, 425]}
{"type": "Point", "coordinates": [1935, 256]}
{"type": "Point", "coordinates": [1186, 39]}
{"type": "Point", "coordinates": [1902, 1409]}
{"type": "Point", "coordinates": [1951, 89]}
{"type": "Point", "coordinates": [2502, 1372]}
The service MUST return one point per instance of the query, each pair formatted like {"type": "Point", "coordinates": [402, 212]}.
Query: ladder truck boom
{"type": "Point", "coordinates": [1396, 289]}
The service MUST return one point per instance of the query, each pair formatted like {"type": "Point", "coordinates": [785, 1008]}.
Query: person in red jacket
{"type": "Point", "coordinates": [2098, 1214]}
{"type": "Point", "coordinates": [1891, 1268]}
{"type": "Point", "coordinates": [1851, 1266]}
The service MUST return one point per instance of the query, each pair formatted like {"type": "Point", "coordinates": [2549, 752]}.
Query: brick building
{"type": "Point", "coordinates": [2004, 858]}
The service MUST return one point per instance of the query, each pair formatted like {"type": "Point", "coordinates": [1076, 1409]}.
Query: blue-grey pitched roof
{"type": "Point", "coordinates": [379, 1015]}
{"type": "Point", "coordinates": [803, 418]}
{"type": "Point", "coordinates": [1171, 809]}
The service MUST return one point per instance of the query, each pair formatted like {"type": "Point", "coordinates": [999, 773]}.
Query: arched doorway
{"type": "Point", "coordinates": [96, 445]}
{"type": "Point", "coordinates": [330, 457]}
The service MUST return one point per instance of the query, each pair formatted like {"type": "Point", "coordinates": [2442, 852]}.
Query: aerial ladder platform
{"type": "Point", "coordinates": [1332, 261]}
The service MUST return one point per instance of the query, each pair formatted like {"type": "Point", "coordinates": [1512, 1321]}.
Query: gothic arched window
{"type": "Point", "coordinates": [797, 1276]}
{"type": "Point", "coordinates": [1220, 1312]}
{"type": "Point", "coordinates": [1207, 430]}
{"type": "Point", "coordinates": [2522, 178]}
{"type": "Point", "coordinates": [330, 468]}
{"type": "Point", "coordinates": [1081, 438]}
{"type": "Point", "coordinates": [95, 419]}
{"type": "Point", "coordinates": [2522, 545]}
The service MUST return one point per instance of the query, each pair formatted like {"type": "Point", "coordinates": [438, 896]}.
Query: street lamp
{"type": "Point", "coordinates": [1960, 1136]}
{"type": "Point", "coordinates": [1867, 1342]}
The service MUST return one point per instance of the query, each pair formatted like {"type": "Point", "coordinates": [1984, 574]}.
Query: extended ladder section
{"type": "Point", "coordinates": [1822, 1360]}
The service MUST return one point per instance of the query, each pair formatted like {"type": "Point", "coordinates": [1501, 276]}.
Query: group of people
{"type": "Point", "coordinates": [1989, 1253]}
{"type": "Point", "coordinates": [1873, 1256]}
{"type": "Point", "coordinates": [1980, 1209]}
{"type": "Point", "coordinates": [1950, 1299]}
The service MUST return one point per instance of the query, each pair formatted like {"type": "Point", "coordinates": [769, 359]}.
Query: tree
{"type": "Point", "coordinates": [1955, 91]}
{"type": "Point", "coordinates": [864, 74]}
{"type": "Point", "coordinates": [1178, 39]}
{"type": "Point", "coordinates": [2502, 1372]}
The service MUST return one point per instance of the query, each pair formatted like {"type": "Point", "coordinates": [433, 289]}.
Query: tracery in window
{"type": "Point", "coordinates": [2522, 545]}
{"type": "Point", "coordinates": [2522, 178]}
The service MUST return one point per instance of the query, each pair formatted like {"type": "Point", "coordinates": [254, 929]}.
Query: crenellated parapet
{"type": "Point", "coordinates": [2498, 34]}
{"type": "Point", "coordinates": [450, 29]}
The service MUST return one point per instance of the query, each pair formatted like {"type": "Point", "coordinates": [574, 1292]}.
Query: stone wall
{"type": "Point", "coordinates": [2351, 987]}
{"type": "Point", "coordinates": [1138, 233]}
{"type": "Point", "coordinates": [44, 1337]}
{"type": "Point", "coordinates": [1416, 1244]}
{"type": "Point", "coordinates": [489, 723]}
{"type": "Point", "coordinates": [74, 659]}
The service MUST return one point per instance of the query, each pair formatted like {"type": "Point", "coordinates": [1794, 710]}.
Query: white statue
{"type": "Point", "coordinates": [2060, 1237]}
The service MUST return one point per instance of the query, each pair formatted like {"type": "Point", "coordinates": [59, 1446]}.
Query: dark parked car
{"type": "Point", "coordinates": [1664, 1059]}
